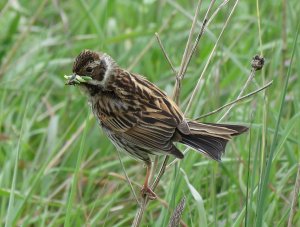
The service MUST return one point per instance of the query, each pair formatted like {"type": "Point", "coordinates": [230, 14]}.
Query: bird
{"type": "Point", "coordinates": [139, 118]}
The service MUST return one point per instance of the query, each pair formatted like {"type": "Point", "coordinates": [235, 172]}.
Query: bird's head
{"type": "Point", "coordinates": [91, 69]}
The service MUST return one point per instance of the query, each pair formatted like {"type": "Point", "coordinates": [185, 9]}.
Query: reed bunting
{"type": "Point", "coordinates": [139, 118]}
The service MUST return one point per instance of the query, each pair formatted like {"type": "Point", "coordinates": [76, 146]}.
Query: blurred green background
{"type": "Point", "coordinates": [45, 129]}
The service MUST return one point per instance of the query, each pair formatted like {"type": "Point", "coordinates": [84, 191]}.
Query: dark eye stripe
{"type": "Point", "coordinates": [99, 76]}
{"type": "Point", "coordinates": [89, 69]}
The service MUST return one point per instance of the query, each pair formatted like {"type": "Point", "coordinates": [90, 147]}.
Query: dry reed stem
{"type": "Point", "coordinates": [165, 53]}
{"type": "Point", "coordinates": [209, 58]}
{"type": "Point", "coordinates": [180, 75]}
{"type": "Point", "coordinates": [236, 101]}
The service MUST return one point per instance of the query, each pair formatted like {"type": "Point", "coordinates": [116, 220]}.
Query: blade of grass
{"type": "Point", "coordinates": [265, 179]}
{"type": "Point", "coordinates": [10, 210]}
{"type": "Point", "coordinates": [21, 39]}
{"type": "Point", "coordinates": [75, 178]}
{"type": "Point", "coordinates": [198, 199]}
{"type": "Point", "coordinates": [91, 19]}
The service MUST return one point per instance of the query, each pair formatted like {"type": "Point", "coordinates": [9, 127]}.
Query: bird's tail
{"type": "Point", "coordinates": [211, 139]}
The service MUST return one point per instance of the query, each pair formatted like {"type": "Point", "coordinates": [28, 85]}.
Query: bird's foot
{"type": "Point", "coordinates": [146, 191]}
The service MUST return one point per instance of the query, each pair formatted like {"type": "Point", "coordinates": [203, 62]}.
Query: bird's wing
{"type": "Point", "coordinates": [162, 101]}
{"type": "Point", "coordinates": [139, 92]}
{"type": "Point", "coordinates": [154, 118]}
{"type": "Point", "coordinates": [150, 129]}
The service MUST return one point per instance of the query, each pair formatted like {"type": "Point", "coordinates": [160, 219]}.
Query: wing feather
{"type": "Point", "coordinates": [152, 118]}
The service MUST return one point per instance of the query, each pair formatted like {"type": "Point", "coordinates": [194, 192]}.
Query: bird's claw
{"type": "Point", "coordinates": [146, 191]}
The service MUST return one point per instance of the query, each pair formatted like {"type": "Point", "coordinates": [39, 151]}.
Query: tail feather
{"type": "Point", "coordinates": [212, 147]}
{"type": "Point", "coordinates": [239, 129]}
{"type": "Point", "coordinates": [211, 139]}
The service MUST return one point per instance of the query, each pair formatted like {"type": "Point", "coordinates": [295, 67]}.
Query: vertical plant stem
{"type": "Point", "coordinates": [10, 209]}
{"type": "Point", "coordinates": [188, 53]}
{"type": "Point", "coordinates": [180, 74]}
{"type": "Point", "coordinates": [266, 175]}
{"type": "Point", "coordinates": [259, 29]}
{"type": "Point", "coordinates": [139, 215]}
{"type": "Point", "coordinates": [283, 36]}
{"type": "Point", "coordinates": [295, 198]}
{"type": "Point", "coordinates": [209, 58]}
{"type": "Point", "coordinates": [161, 172]}
{"type": "Point", "coordinates": [248, 201]}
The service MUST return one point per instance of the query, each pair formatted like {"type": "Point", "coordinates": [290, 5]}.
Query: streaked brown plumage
{"type": "Point", "coordinates": [141, 119]}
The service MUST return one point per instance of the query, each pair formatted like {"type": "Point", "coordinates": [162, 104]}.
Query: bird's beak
{"type": "Point", "coordinates": [76, 79]}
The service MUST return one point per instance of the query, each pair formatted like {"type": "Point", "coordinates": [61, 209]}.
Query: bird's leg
{"type": "Point", "coordinates": [146, 190]}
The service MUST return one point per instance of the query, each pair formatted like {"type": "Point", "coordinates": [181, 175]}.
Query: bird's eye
{"type": "Point", "coordinates": [89, 69]}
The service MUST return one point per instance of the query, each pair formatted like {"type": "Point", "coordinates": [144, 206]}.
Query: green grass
{"type": "Point", "coordinates": [54, 171]}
